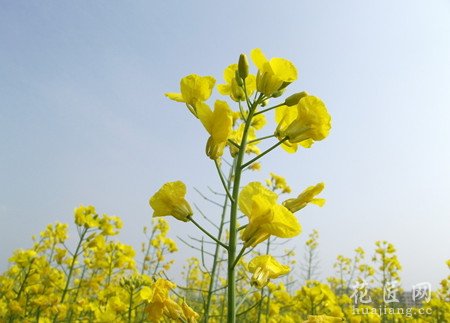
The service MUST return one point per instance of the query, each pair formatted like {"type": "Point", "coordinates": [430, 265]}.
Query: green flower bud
{"type": "Point", "coordinates": [295, 98]}
{"type": "Point", "coordinates": [278, 93]}
{"type": "Point", "coordinates": [243, 66]}
{"type": "Point", "coordinates": [239, 80]}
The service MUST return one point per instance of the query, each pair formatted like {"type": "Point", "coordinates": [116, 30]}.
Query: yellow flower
{"type": "Point", "coordinates": [172, 309]}
{"type": "Point", "coordinates": [255, 166]}
{"type": "Point", "coordinates": [232, 87]}
{"type": "Point", "coordinates": [266, 216]}
{"type": "Point", "coordinates": [194, 89]}
{"type": "Point", "coordinates": [86, 216]}
{"type": "Point", "coordinates": [264, 268]}
{"type": "Point", "coordinates": [145, 293]}
{"type": "Point", "coordinates": [161, 290]}
{"type": "Point", "coordinates": [306, 197]}
{"type": "Point", "coordinates": [279, 182]}
{"type": "Point", "coordinates": [236, 136]}
{"type": "Point", "coordinates": [259, 121]}
{"type": "Point", "coordinates": [190, 315]}
{"type": "Point", "coordinates": [284, 116]}
{"type": "Point", "coordinates": [218, 124]}
{"type": "Point", "coordinates": [274, 74]}
{"type": "Point", "coordinates": [312, 122]}
{"type": "Point", "coordinates": [169, 200]}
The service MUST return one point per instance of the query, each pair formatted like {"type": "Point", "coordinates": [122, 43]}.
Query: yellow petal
{"type": "Point", "coordinates": [318, 202]}
{"type": "Point", "coordinates": [224, 89]}
{"type": "Point", "coordinates": [196, 88]}
{"type": "Point", "coordinates": [222, 121]}
{"type": "Point", "coordinates": [205, 115]}
{"type": "Point", "coordinates": [249, 191]}
{"type": "Point", "coordinates": [169, 200]}
{"type": "Point", "coordinates": [230, 73]}
{"type": "Point", "coordinates": [269, 264]}
{"type": "Point", "coordinates": [283, 69]}
{"type": "Point", "coordinates": [284, 224]}
{"type": "Point", "coordinates": [175, 96]}
{"type": "Point", "coordinates": [258, 58]}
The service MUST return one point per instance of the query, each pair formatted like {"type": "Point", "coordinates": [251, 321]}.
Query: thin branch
{"type": "Point", "coordinates": [207, 199]}
{"type": "Point", "coordinates": [264, 153]}
{"type": "Point", "coordinates": [260, 139]}
{"type": "Point", "coordinates": [239, 256]}
{"type": "Point", "coordinates": [224, 183]}
{"type": "Point", "coordinates": [214, 192]}
{"type": "Point", "coordinates": [207, 233]}
{"type": "Point", "coordinates": [205, 217]}
{"type": "Point", "coordinates": [268, 109]}
{"type": "Point", "coordinates": [194, 247]}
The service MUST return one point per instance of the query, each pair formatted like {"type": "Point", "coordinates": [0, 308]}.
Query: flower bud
{"type": "Point", "coordinates": [278, 93]}
{"type": "Point", "coordinates": [294, 98]}
{"type": "Point", "coordinates": [243, 66]}
{"type": "Point", "coordinates": [239, 80]}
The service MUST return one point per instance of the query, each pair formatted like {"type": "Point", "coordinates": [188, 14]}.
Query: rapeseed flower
{"type": "Point", "coordinates": [265, 268]}
{"type": "Point", "coordinates": [218, 124]}
{"type": "Point", "coordinates": [194, 90]}
{"type": "Point", "coordinates": [306, 197]}
{"type": "Point", "coordinates": [266, 216]}
{"type": "Point", "coordinates": [169, 200]}
{"type": "Point", "coordinates": [232, 88]}
{"type": "Point", "coordinates": [307, 122]}
{"type": "Point", "coordinates": [274, 74]}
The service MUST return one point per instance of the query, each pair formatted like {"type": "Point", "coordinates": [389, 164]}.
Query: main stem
{"type": "Point", "coordinates": [231, 315]}
{"type": "Point", "coordinates": [216, 253]}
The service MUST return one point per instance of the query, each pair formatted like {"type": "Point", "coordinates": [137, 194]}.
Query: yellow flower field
{"type": "Point", "coordinates": [240, 274]}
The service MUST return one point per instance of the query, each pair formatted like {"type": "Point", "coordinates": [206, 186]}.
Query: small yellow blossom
{"type": "Point", "coordinates": [266, 216]}
{"type": "Point", "coordinates": [259, 121]}
{"type": "Point", "coordinates": [264, 268]}
{"type": "Point", "coordinates": [169, 200]}
{"type": "Point", "coordinates": [145, 293]}
{"type": "Point", "coordinates": [86, 216]}
{"type": "Point", "coordinates": [218, 124]}
{"type": "Point", "coordinates": [273, 74]}
{"type": "Point", "coordinates": [190, 315]}
{"type": "Point", "coordinates": [279, 182]}
{"type": "Point", "coordinates": [255, 166]}
{"type": "Point", "coordinates": [312, 122]}
{"type": "Point", "coordinates": [194, 89]}
{"type": "Point", "coordinates": [232, 88]}
{"type": "Point", "coordinates": [306, 197]}
{"type": "Point", "coordinates": [236, 136]}
{"type": "Point", "coordinates": [172, 309]}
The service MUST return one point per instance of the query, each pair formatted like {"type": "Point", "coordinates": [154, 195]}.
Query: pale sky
{"type": "Point", "coordinates": [83, 118]}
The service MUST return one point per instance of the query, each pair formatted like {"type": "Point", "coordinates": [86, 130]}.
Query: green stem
{"type": "Point", "coordinates": [239, 256]}
{"type": "Point", "coordinates": [225, 186]}
{"type": "Point", "coordinates": [247, 100]}
{"type": "Point", "coordinates": [130, 306]}
{"type": "Point", "coordinates": [264, 153]}
{"type": "Point", "coordinates": [216, 253]}
{"type": "Point", "coordinates": [233, 143]}
{"type": "Point", "coordinates": [231, 296]}
{"type": "Point", "coordinates": [268, 109]}
{"type": "Point", "coordinates": [260, 139]}
{"type": "Point", "coordinates": [147, 252]}
{"type": "Point", "coordinates": [72, 266]}
{"type": "Point", "coordinates": [207, 233]}
{"type": "Point", "coordinates": [242, 227]}
{"type": "Point", "coordinates": [27, 274]}
{"type": "Point", "coordinates": [241, 110]}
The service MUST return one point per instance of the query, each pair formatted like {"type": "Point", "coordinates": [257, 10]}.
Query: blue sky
{"type": "Point", "coordinates": [83, 118]}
